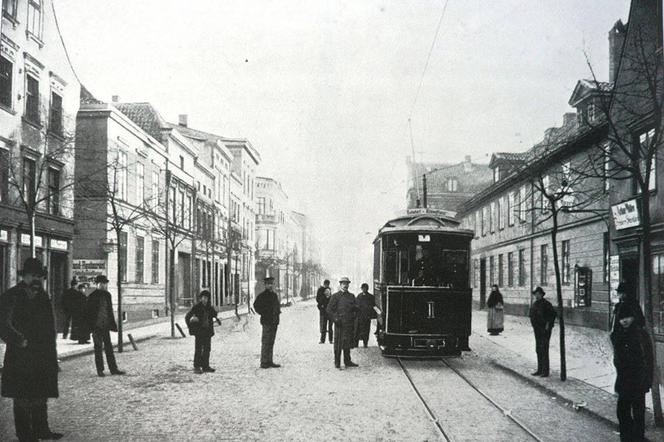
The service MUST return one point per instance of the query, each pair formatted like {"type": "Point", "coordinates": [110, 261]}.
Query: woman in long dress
{"type": "Point", "coordinates": [495, 317]}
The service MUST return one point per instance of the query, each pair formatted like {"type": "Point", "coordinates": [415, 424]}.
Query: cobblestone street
{"type": "Point", "coordinates": [307, 399]}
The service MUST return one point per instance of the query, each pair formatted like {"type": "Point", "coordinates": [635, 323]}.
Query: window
{"type": "Point", "coordinates": [55, 122]}
{"type": "Point", "coordinates": [140, 257]}
{"type": "Point", "coordinates": [123, 256]}
{"type": "Point", "coordinates": [606, 259]}
{"type": "Point", "coordinates": [121, 175]}
{"type": "Point", "coordinates": [492, 217]}
{"type": "Point", "coordinates": [9, 8]}
{"type": "Point", "coordinates": [500, 270]}
{"type": "Point", "coordinates": [29, 184]}
{"type": "Point", "coordinates": [452, 184]}
{"type": "Point", "coordinates": [189, 212]}
{"type": "Point", "coordinates": [544, 202]}
{"type": "Point", "coordinates": [35, 18]}
{"type": "Point", "coordinates": [53, 197]}
{"type": "Point", "coordinates": [181, 162]}
{"type": "Point", "coordinates": [510, 269]}
{"type": "Point", "coordinates": [645, 148]}
{"type": "Point", "coordinates": [261, 205]}
{"type": "Point", "coordinates": [511, 208]}
{"type": "Point", "coordinates": [522, 267]}
{"type": "Point", "coordinates": [155, 261]}
{"type": "Point", "coordinates": [492, 270]}
{"type": "Point", "coordinates": [544, 264]}
{"type": "Point", "coordinates": [499, 211]}
{"type": "Point", "coordinates": [565, 262]}
{"type": "Point", "coordinates": [658, 293]}
{"type": "Point", "coordinates": [182, 208]}
{"type": "Point", "coordinates": [496, 174]}
{"type": "Point", "coordinates": [6, 70]}
{"type": "Point", "coordinates": [32, 99]}
{"type": "Point", "coordinates": [484, 220]}
{"type": "Point", "coordinates": [607, 168]}
{"type": "Point", "coordinates": [523, 200]}
{"type": "Point", "coordinates": [4, 177]}
{"type": "Point", "coordinates": [171, 201]}
{"type": "Point", "coordinates": [140, 183]}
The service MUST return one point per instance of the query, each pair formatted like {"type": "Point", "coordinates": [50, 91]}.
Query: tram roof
{"type": "Point", "coordinates": [424, 222]}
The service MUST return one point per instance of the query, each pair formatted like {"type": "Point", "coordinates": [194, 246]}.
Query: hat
{"type": "Point", "coordinates": [268, 279]}
{"type": "Point", "coordinates": [73, 281]}
{"type": "Point", "coordinates": [101, 278]}
{"type": "Point", "coordinates": [205, 293]}
{"type": "Point", "coordinates": [537, 290]}
{"type": "Point", "coordinates": [344, 279]}
{"type": "Point", "coordinates": [33, 266]}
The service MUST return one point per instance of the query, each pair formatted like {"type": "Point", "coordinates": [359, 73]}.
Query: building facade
{"type": "Point", "coordinates": [39, 99]}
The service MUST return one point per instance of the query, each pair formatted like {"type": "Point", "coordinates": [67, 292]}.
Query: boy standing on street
{"type": "Point", "coordinates": [199, 321]}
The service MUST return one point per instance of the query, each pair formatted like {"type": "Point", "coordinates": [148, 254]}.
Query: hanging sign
{"type": "Point", "coordinates": [25, 240]}
{"type": "Point", "coordinates": [626, 215]}
{"type": "Point", "coordinates": [86, 270]}
{"type": "Point", "coordinates": [614, 276]}
{"type": "Point", "coordinates": [58, 244]}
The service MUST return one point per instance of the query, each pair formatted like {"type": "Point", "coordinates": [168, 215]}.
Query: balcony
{"type": "Point", "coordinates": [264, 218]}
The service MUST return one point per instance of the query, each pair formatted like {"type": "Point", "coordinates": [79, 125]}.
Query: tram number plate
{"type": "Point", "coordinates": [424, 238]}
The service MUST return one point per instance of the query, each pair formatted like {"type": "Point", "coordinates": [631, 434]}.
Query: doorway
{"type": "Point", "coordinates": [629, 273]}
{"type": "Point", "coordinates": [482, 283]}
{"type": "Point", "coordinates": [184, 296]}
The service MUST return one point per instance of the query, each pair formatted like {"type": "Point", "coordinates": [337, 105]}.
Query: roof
{"type": "Point", "coordinates": [203, 135]}
{"type": "Point", "coordinates": [86, 97]}
{"type": "Point", "coordinates": [509, 157]}
{"type": "Point", "coordinates": [424, 222]}
{"type": "Point", "coordinates": [586, 87]}
{"type": "Point", "coordinates": [145, 116]}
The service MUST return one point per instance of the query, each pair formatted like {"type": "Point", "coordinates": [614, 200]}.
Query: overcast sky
{"type": "Point", "coordinates": [324, 88]}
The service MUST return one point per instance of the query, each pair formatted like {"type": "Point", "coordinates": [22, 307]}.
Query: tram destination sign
{"type": "Point", "coordinates": [626, 215]}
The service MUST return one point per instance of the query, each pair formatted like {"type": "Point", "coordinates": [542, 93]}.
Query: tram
{"type": "Point", "coordinates": [421, 284]}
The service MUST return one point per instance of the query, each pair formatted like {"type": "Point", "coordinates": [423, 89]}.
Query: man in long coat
{"type": "Point", "coordinates": [69, 300]}
{"type": "Point", "coordinates": [365, 303]}
{"type": "Point", "coordinates": [30, 372]}
{"type": "Point", "coordinates": [542, 318]}
{"type": "Point", "coordinates": [633, 359]}
{"type": "Point", "coordinates": [342, 309]}
{"type": "Point", "coordinates": [101, 321]}
{"type": "Point", "coordinates": [199, 321]}
{"type": "Point", "coordinates": [267, 305]}
{"type": "Point", "coordinates": [325, 323]}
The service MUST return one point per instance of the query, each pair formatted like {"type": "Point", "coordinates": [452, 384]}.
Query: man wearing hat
{"type": "Point", "coordinates": [542, 318]}
{"type": "Point", "coordinates": [199, 321]}
{"type": "Point", "coordinates": [30, 372]}
{"type": "Point", "coordinates": [101, 321]}
{"type": "Point", "coordinates": [323, 296]}
{"type": "Point", "coordinates": [267, 305]}
{"type": "Point", "coordinates": [342, 309]}
{"type": "Point", "coordinates": [70, 297]}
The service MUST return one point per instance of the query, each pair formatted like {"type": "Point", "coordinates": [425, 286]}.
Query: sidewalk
{"type": "Point", "coordinates": [590, 371]}
{"type": "Point", "coordinates": [140, 331]}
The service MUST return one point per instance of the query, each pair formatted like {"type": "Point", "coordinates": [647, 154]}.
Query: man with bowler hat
{"type": "Point", "coordinates": [342, 309]}
{"type": "Point", "coordinates": [542, 318]}
{"type": "Point", "coordinates": [199, 321]}
{"type": "Point", "coordinates": [322, 299]}
{"type": "Point", "coordinates": [30, 372]}
{"type": "Point", "coordinates": [267, 305]}
{"type": "Point", "coordinates": [101, 321]}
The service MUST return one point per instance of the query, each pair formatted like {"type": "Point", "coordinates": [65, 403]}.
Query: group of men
{"type": "Point", "coordinates": [345, 316]}
{"type": "Point", "coordinates": [27, 326]}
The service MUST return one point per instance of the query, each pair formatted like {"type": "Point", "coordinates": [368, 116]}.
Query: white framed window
{"type": "Point", "coordinates": [140, 183]}
{"type": "Point", "coordinates": [492, 216]}
{"type": "Point", "coordinates": [121, 175]}
{"type": "Point", "coordinates": [35, 18]}
{"type": "Point", "coordinates": [499, 212]}
{"type": "Point", "coordinates": [511, 208]}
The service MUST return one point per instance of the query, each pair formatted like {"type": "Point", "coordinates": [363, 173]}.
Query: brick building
{"type": "Point", "coordinates": [39, 99]}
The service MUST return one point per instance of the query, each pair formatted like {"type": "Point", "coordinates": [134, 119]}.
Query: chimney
{"type": "Point", "coordinates": [569, 118]}
{"type": "Point", "coordinates": [467, 164]}
{"type": "Point", "coordinates": [182, 120]}
{"type": "Point", "coordinates": [115, 98]}
{"type": "Point", "coordinates": [616, 39]}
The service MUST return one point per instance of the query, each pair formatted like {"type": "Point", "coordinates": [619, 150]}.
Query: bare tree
{"type": "Point", "coordinates": [633, 114]}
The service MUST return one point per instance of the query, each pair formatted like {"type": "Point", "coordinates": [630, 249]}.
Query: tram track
{"type": "Point", "coordinates": [446, 435]}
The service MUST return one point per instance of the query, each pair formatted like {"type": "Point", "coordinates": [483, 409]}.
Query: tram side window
{"type": "Point", "coordinates": [454, 269]}
{"type": "Point", "coordinates": [391, 271]}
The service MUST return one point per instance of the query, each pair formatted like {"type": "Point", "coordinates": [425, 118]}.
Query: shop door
{"type": "Point", "coordinates": [57, 283]}
{"type": "Point", "coordinates": [482, 282]}
{"type": "Point", "coordinates": [629, 273]}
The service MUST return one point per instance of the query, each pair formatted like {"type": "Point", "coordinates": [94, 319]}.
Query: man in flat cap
{"type": "Point", "coordinates": [267, 305]}
{"type": "Point", "coordinates": [542, 318]}
{"type": "Point", "coordinates": [101, 321]}
{"type": "Point", "coordinates": [342, 310]}
{"type": "Point", "coordinates": [30, 372]}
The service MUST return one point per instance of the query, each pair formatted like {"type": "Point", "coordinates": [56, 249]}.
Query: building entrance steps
{"type": "Point", "coordinates": [590, 371]}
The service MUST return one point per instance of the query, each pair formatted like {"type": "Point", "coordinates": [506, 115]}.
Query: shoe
{"type": "Point", "coordinates": [266, 366]}
{"type": "Point", "coordinates": [322, 342]}
{"type": "Point", "coordinates": [100, 374]}
{"type": "Point", "coordinates": [351, 364]}
{"type": "Point", "coordinates": [118, 372]}
{"type": "Point", "coordinates": [273, 365]}
{"type": "Point", "coordinates": [536, 373]}
{"type": "Point", "coordinates": [208, 370]}
{"type": "Point", "coordinates": [337, 366]}
{"type": "Point", "coordinates": [198, 370]}
{"type": "Point", "coordinates": [51, 435]}
{"type": "Point", "coordinates": [365, 345]}
{"type": "Point", "coordinates": [544, 375]}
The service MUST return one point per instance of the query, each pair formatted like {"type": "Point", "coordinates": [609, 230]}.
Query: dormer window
{"type": "Point", "coordinates": [496, 174]}
{"type": "Point", "coordinates": [452, 185]}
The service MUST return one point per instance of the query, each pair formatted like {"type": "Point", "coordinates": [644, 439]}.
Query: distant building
{"type": "Point", "coordinates": [39, 99]}
{"type": "Point", "coordinates": [448, 184]}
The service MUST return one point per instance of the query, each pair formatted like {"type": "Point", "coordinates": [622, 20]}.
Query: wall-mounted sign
{"type": "Point", "coordinates": [626, 215]}
{"type": "Point", "coordinates": [86, 270]}
{"type": "Point", "coordinates": [25, 240]}
{"type": "Point", "coordinates": [614, 276]}
{"type": "Point", "coordinates": [58, 244]}
{"type": "Point", "coordinates": [4, 235]}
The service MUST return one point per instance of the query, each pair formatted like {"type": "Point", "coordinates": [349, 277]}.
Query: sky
{"type": "Point", "coordinates": [324, 89]}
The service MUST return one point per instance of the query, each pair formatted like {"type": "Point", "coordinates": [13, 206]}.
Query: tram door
{"type": "Point", "coordinates": [482, 282]}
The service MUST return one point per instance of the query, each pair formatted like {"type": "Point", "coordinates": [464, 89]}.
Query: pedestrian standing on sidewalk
{"type": "Point", "coordinates": [322, 299]}
{"type": "Point", "coordinates": [633, 359]}
{"type": "Point", "coordinates": [30, 371]}
{"type": "Point", "coordinates": [495, 316]}
{"type": "Point", "coordinates": [267, 305]}
{"type": "Point", "coordinates": [199, 322]}
{"type": "Point", "coordinates": [79, 325]}
{"type": "Point", "coordinates": [69, 299]}
{"type": "Point", "coordinates": [342, 309]}
{"type": "Point", "coordinates": [365, 303]}
{"type": "Point", "coordinates": [102, 321]}
{"type": "Point", "coordinates": [542, 318]}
